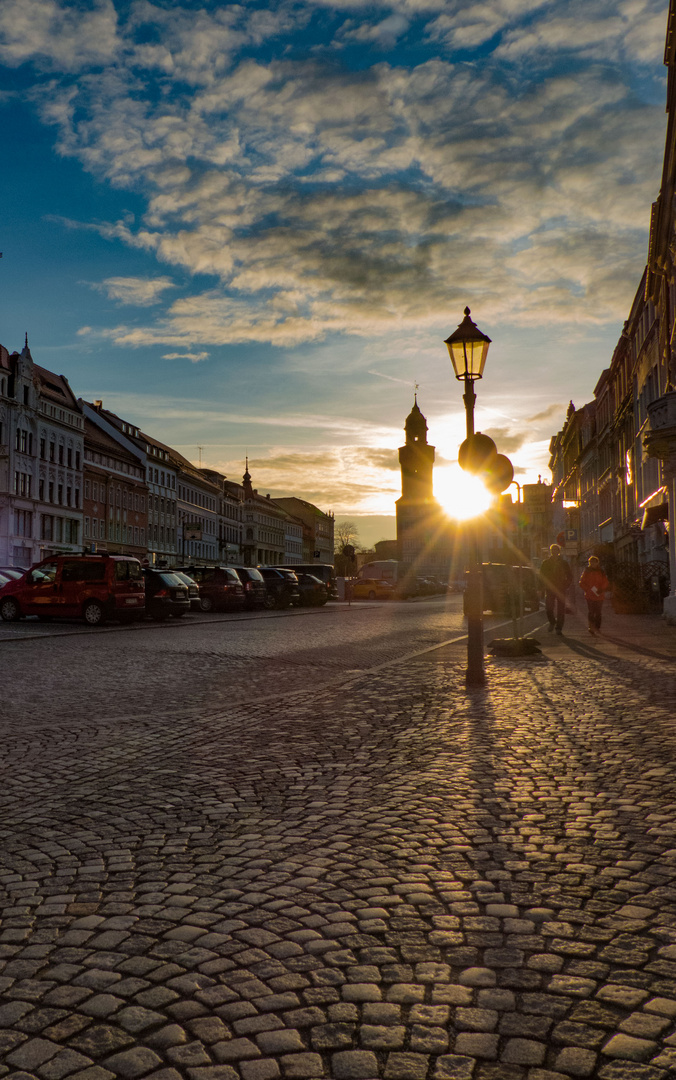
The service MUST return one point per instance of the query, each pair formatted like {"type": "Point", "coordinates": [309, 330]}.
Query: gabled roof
{"type": "Point", "coordinates": [56, 388]}
{"type": "Point", "coordinates": [96, 436]}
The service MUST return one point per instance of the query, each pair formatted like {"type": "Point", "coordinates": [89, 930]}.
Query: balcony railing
{"type": "Point", "coordinates": [660, 437]}
{"type": "Point", "coordinates": [662, 411]}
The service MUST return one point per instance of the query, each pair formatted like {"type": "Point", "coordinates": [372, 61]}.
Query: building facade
{"type": "Point", "coordinates": [198, 513]}
{"type": "Point", "coordinates": [317, 531]}
{"type": "Point", "coordinates": [264, 527]}
{"type": "Point", "coordinates": [41, 462]}
{"type": "Point", "coordinates": [611, 484]}
{"type": "Point", "coordinates": [160, 476]}
{"type": "Point", "coordinates": [115, 496]}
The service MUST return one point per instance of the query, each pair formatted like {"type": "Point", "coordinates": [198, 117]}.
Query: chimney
{"type": "Point", "coordinates": [98, 404]}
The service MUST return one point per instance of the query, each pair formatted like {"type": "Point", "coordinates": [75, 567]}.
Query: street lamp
{"type": "Point", "coordinates": [468, 348]}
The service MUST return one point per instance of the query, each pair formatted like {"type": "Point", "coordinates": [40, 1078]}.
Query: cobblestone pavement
{"type": "Point", "coordinates": [388, 876]}
{"type": "Point", "coordinates": [210, 661]}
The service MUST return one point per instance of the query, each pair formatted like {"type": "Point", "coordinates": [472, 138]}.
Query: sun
{"type": "Point", "coordinates": [461, 495]}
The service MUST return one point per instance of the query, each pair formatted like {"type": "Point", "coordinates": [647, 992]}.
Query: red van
{"type": "Point", "coordinates": [91, 587]}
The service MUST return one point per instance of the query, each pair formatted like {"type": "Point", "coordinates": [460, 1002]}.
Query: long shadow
{"type": "Point", "coordinates": [624, 664]}
{"type": "Point", "coordinates": [642, 650]}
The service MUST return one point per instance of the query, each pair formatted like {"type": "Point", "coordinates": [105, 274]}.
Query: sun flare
{"type": "Point", "coordinates": [461, 494]}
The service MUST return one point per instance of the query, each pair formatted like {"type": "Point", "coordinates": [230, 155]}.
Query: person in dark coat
{"type": "Point", "coordinates": [556, 577]}
{"type": "Point", "coordinates": [594, 584]}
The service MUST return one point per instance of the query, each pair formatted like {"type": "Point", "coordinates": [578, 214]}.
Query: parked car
{"type": "Point", "coordinates": [501, 588]}
{"type": "Point", "coordinates": [372, 589]}
{"type": "Point", "coordinates": [92, 587]}
{"type": "Point", "coordinates": [313, 592]}
{"type": "Point", "coordinates": [166, 594]}
{"type": "Point", "coordinates": [281, 587]}
{"type": "Point", "coordinates": [13, 571]}
{"type": "Point", "coordinates": [193, 589]}
{"type": "Point", "coordinates": [219, 587]}
{"type": "Point", "coordinates": [324, 571]}
{"type": "Point", "coordinates": [253, 582]}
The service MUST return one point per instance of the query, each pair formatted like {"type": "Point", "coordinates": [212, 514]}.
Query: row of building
{"type": "Point", "coordinates": [614, 461]}
{"type": "Point", "coordinates": [76, 477]}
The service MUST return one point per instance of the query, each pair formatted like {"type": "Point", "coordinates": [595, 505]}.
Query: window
{"type": "Point", "coordinates": [77, 459]}
{"type": "Point", "coordinates": [23, 441]}
{"type": "Point", "coordinates": [25, 395]}
{"type": "Point", "coordinates": [59, 497]}
{"type": "Point", "coordinates": [47, 527]}
{"type": "Point", "coordinates": [60, 453]}
{"type": "Point", "coordinates": [87, 530]}
{"type": "Point", "coordinates": [77, 497]}
{"type": "Point", "coordinates": [22, 484]}
{"type": "Point", "coordinates": [52, 450]}
{"type": "Point", "coordinates": [83, 569]}
{"type": "Point", "coordinates": [41, 490]}
{"type": "Point", "coordinates": [45, 574]}
{"type": "Point", "coordinates": [86, 489]}
{"type": "Point", "coordinates": [72, 531]}
{"type": "Point", "coordinates": [51, 491]}
{"type": "Point", "coordinates": [102, 528]}
{"type": "Point", "coordinates": [23, 523]}
{"type": "Point", "coordinates": [69, 495]}
{"type": "Point", "coordinates": [126, 570]}
{"type": "Point", "coordinates": [70, 458]}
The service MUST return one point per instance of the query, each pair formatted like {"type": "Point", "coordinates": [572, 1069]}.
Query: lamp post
{"type": "Point", "coordinates": [468, 348]}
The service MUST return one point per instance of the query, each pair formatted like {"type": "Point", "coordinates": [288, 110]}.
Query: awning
{"type": "Point", "coordinates": [653, 514]}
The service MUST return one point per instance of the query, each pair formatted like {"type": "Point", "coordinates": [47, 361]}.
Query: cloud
{"type": "Point", "coordinates": [550, 413]}
{"type": "Point", "coordinates": [58, 37]}
{"type": "Point", "coordinates": [506, 441]}
{"type": "Point", "coordinates": [195, 357]}
{"type": "Point", "coordinates": [383, 34]}
{"type": "Point", "coordinates": [325, 199]}
{"type": "Point", "coordinates": [134, 290]}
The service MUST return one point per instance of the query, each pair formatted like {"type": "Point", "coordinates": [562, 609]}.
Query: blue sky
{"type": "Point", "coordinates": [249, 227]}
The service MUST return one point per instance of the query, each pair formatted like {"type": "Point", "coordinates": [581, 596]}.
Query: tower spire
{"type": "Point", "coordinates": [248, 490]}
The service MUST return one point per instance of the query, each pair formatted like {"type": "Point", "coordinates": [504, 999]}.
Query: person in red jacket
{"type": "Point", "coordinates": [594, 584]}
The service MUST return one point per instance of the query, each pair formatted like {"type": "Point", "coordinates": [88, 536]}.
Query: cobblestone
{"type": "Point", "coordinates": [389, 877]}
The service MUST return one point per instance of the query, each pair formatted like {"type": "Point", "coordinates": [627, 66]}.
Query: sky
{"type": "Point", "coordinates": [248, 228]}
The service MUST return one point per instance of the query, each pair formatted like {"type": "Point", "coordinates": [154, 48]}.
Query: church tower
{"type": "Point", "coordinates": [416, 459]}
{"type": "Point", "coordinates": [417, 509]}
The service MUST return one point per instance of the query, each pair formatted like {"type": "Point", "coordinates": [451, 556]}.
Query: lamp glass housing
{"type": "Point", "coordinates": [468, 349]}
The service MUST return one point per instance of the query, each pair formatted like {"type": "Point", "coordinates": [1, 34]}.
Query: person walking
{"type": "Point", "coordinates": [556, 577]}
{"type": "Point", "coordinates": [594, 584]}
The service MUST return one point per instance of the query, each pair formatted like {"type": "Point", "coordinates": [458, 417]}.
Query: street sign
{"type": "Point", "coordinates": [192, 530]}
